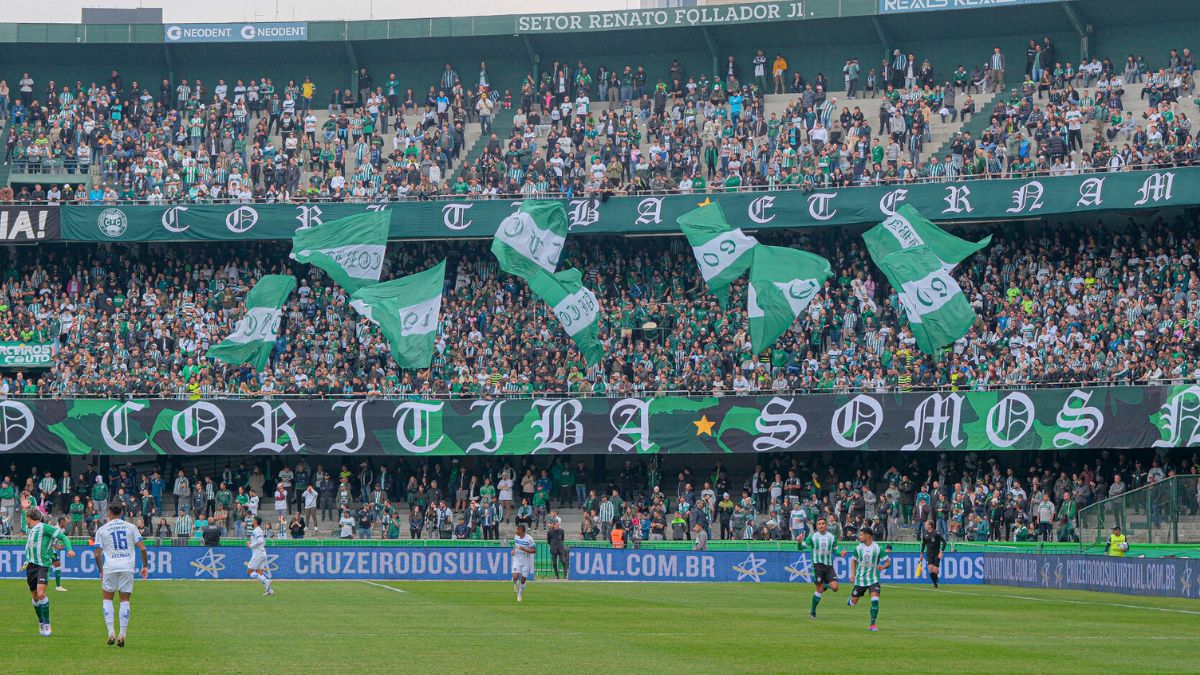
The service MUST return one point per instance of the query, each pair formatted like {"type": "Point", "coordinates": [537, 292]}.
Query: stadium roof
{"type": "Point", "coordinates": [774, 11]}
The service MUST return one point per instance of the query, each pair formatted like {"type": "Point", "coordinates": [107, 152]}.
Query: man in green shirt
{"type": "Point", "coordinates": [8, 505]}
{"type": "Point", "coordinates": [566, 485]}
{"type": "Point", "coordinates": [77, 509]}
{"type": "Point", "coordinates": [41, 550]}
{"type": "Point", "coordinates": [823, 544]}
{"type": "Point", "coordinates": [869, 560]}
{"type": "Point", "coordinates": [487, 493]}
{"type": "Point", "coordinates": [1021, 534]}
{"type": "Point", "coordinates": [100, 495]}
{"type": "Point", "coordinates": [541, 501]}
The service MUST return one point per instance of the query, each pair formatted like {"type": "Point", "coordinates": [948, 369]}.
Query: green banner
{"type": "Point", "coordinates": [674, 17]}
{"type": "Point", "coordinates": [1049, 419]}
{"type": "Point", "coordinates": [26, 354]}
{"type": "Point", "coordinates": [976, 200]}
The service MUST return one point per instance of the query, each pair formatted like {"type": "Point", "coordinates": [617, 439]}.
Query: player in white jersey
{"type": "Point", "coordinates": [115, 541]}
{"type": "Point", "coordinates": [258, 556]}
{"type": "Point", "coordinates": [524, 550]}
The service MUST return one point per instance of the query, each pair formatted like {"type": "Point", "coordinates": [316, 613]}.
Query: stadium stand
{"type": "Point", "coordinates": [1083, 305]}
{"type": "Point", "coordinates": [968, 498]}
{"type": "Point", "coordinates": [1059, 304]}
{"type": "Point", "coordinates": [623, 129]}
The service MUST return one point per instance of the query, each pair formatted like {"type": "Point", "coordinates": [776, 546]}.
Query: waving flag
{"type": "Point", "coordinates": [908, 229]}
{"type": "Point", "coordinates": [575, 307]}
{"type": "Point", "coordinates": [531, 240]}
{"type": "Point", "coordinates": [938, 312]}
{"type": "Point", "coordinates": [254, 336]}
{"type": "Point", "coordinates": [783, 281]}
{"type": "Point", "coordinates": [350, 250]}
{"type": "Point", "coordinates": [406, 311]}
{"type": "Point", "coordinates": [723, 252]}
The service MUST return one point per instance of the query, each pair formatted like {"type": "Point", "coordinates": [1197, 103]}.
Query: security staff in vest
{"type": "Point", "coordinates": [1116, 546]}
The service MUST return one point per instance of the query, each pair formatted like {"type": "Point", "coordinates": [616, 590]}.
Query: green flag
{"type": "Point", "coordinates": [575, 307]}
{"type": "Point", "coordinates": [723, 252]}
{"type": "Point", "coordinates": [938, 312]}
{"type": "Point", "coordinates": [908, 228]}
{"type": "Point", "coordinates": [351, 249]}
{"type": "Point", "coordinates": [406, 311]}
{"type": "Point", "coordinates": [254, 336]}
{"type": "Point", "coordinates": [531, 239]}
{"type": "Point", "coordinates": [783, 281]}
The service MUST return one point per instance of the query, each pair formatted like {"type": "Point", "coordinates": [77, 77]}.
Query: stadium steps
{"type": "Point", "coordinates": [942, 134]}
{"type": "Point", "coordinates": [1131, 101]}
{"type": "Point", "coordinates": [476, 142]}
{"type": "Point", "coordinates": [470, 136]}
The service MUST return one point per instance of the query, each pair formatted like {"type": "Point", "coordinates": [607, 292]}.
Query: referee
{"type": "Point", "coordinates": [558, 549]}
{"type": "Point", "coordinates": [932, 543]}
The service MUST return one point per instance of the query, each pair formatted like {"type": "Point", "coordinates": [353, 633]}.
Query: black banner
{"type": "Point", "coordinates": [28, 224]}
{"type": "Point", "coordinates": [1103, 417]}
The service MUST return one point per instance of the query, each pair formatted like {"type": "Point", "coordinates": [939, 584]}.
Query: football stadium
{"type": "Point", "coordinates": [855, 335]}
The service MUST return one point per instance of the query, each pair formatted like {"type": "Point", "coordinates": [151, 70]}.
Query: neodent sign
{"type": "Point", "coordinates": [291, 31]}
{"type": "Point", "coordinates": [661, 18]}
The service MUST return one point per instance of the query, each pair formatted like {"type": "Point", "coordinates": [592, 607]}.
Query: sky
{"type": "Point", "coordinates": [180, 11]}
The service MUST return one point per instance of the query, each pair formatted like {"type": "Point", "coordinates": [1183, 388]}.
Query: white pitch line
{"type": "Point", "coordinates": [1058, 600]}
{"type": "Point", "coordinates": [390, 588]}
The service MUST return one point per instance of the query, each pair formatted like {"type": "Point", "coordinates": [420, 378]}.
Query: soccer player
{"type": "Point", "coordinates": [869, 560]}
{"type": "Point", "coordinates": [115, 541]}
{"type": "Point", "coordinates": [63, 523]}
{"type": "Point", "coordinates": [258, 556]}
{"type": "Point", "coordinates": [40, 554]}
{"type": "Point", "coordinates": [524, 550]}
{"type": "Point", "coordinates": [823, 544]}
{"type": "Point", "coordinates": [932, 543]}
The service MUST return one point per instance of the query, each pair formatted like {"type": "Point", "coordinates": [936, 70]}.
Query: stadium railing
{"type": "Point", "coordinates": [27, 176]}
{"type": "Point", "coordinates": [1166, 512]}
{"type": "Point", "coordinates": [394, 396]}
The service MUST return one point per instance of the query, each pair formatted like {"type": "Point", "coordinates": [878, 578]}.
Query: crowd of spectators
{"type": "Point", "coordinates": [237, 141]}
{"type": "Point", "coordinates": [699, 133]}
{"type": "Point", "coordinates": [1057, 304]}
{"type": "Point", "coordinates": [594, 129]}
{"type": "Point", "coordinates": [968, 497]}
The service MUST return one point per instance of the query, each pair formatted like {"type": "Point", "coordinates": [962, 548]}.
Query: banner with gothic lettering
{"type": "Point", "coordinates": [1050, 419]}
{"type": "Point", "coordinates": [975, 200]}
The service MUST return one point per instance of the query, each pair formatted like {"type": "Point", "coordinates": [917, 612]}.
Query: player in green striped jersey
{"type": "Point", "coordinates": [41, 550]}
{"type": "Point", "coordinates": [869, 560]}
{"type": "Point", "coordinates": [823, 544]}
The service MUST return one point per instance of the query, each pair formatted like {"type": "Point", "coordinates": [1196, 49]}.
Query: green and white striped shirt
{"type": "Point", "coordinates": [39, 547]}
{"type": "Point", "coordinates": [869, 558]}
{"type": "Point", "coordinates": [822, 546]}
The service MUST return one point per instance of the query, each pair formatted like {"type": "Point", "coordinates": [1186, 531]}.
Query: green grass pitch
{"type": "Point", "coordinates": [350, 626]}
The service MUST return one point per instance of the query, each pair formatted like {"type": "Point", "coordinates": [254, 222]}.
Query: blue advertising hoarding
{"type": "Point", "coordinates": [1165, 577]}
{"type": "Point", "coordinates": [905, 6]}
{"type": "Point", "coordinates": [589, 564]}
{"type": "Point", "coordinates": [278, 31]}
{"type": "Point", "coordinates": [293, 562]}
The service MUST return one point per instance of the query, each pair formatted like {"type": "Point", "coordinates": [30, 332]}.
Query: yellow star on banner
{"type": "Point", "coordinates": [704, 203]}
{"type": "Point", "coordinates": [704, 426]}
